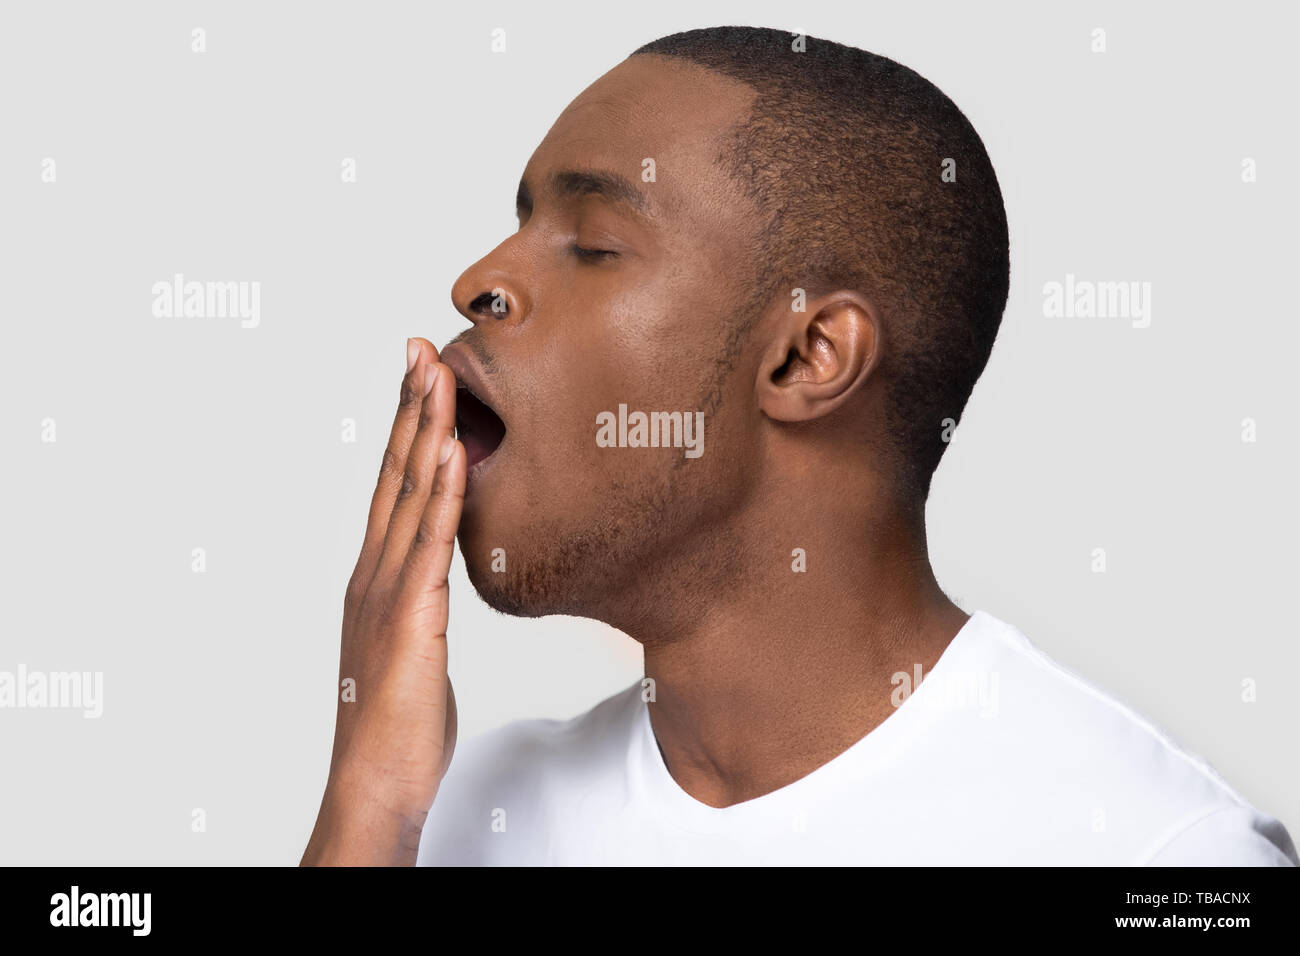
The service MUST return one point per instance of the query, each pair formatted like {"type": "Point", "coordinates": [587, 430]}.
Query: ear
{"type": "Point", "coordinates": [819, 358]}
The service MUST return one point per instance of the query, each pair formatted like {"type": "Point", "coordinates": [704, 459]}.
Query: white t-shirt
{"type": "Point", "coordinates": [999, 756]}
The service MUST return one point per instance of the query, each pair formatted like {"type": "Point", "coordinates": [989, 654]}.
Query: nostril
{"type": "Point", "coordinates": [491, 304]}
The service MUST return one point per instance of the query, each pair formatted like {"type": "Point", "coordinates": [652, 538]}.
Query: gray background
{"type": "Point", "coordinates": [182, 433]}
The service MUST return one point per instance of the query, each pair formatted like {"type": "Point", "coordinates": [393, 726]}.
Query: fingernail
{"type": "Point", "coordinates": [412, 353]}
{"type": "Point", "coordinates": [430, 376]}
{"type": "Point", "coordinates": [448, 444]}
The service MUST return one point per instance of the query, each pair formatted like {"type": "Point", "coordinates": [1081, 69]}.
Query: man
{"type": "Point", "coordinates": [708, 381]}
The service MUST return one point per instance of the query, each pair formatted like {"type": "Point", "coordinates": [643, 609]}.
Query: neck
{"type": "Point", "coordinates": [764, 672]}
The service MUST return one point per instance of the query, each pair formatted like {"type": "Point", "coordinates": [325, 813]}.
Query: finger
{"type": "Point", "coordinates": [424, 575]}
{"type": "Point", "coordinates": [437, 421]}
{"type": "Point", "coordinates": [393, 466]}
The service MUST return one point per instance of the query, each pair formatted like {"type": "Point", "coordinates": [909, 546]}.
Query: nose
{"type": "Point", "coordinates": [487, 292]}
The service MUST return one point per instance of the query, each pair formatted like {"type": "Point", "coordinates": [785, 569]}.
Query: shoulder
{"type": "Point", "coordinates": [503, 787]}
{"type": "Point", "coordinates": [1232, 835]}
{"type": "Point", "coordinates": [1077, 751]}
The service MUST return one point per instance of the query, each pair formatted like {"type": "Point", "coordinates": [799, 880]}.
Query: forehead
{"type": "Point", "coordinates": [674, 113]}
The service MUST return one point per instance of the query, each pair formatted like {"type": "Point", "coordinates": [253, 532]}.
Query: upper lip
{"type": "Point", "coordinates": [460, 360]}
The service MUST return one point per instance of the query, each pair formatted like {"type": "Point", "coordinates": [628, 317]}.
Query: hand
{"type": "Point", "coordinates": [394, 741]}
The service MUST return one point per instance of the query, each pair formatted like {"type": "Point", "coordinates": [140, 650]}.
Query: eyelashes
{"type": "Point", "coordinates": [591, 255]}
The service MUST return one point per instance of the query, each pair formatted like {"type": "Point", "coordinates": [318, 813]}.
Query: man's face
{"type": "Point", "coordinates": [641, 319]}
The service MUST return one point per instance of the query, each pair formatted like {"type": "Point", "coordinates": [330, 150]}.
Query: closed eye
{"type": "Point", "coordinates": [591, 254]}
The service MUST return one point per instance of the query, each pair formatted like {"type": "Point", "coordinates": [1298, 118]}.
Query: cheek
{"type": "Point", "coordinates": [614, 349]}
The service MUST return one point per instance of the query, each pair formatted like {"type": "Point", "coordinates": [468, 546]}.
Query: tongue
{"type": "Point", "coordinates": [478, 428]}
{"type": "Point", "coordinates": [477, 447]}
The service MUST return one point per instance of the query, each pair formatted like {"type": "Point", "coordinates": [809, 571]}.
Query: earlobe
{"type": "Point", "coordinates": [819, 358]}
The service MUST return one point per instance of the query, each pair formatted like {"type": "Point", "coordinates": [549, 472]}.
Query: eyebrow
{"type": "Point", "coordinates": [573, 183]}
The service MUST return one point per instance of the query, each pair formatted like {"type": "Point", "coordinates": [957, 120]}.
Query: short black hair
{"type": "Point", "coordinates": [846, 152]}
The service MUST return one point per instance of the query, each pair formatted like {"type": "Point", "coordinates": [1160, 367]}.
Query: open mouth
{"type": "Point", "coordinates": [479, 428]}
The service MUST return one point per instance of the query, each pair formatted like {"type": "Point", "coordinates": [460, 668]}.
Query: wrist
{"type": "Point", "coordinates": [353, 829]}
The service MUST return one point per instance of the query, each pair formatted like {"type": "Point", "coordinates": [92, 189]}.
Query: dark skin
{"type": "Point", "coordinates": [762, 674]}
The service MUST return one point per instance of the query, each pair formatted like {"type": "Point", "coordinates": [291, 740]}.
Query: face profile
{"type": "Point", "coordinates": [659, 263]}
{"type": "Point", "coordinates": [616, 292]}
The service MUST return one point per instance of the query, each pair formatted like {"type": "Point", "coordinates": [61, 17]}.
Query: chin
{"type": "Point", "coordinates": [497, 594]}
{"type": "Point", "coordinates": [546, 584]}
{"type": "Point", "coordinates": [504, 591]}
